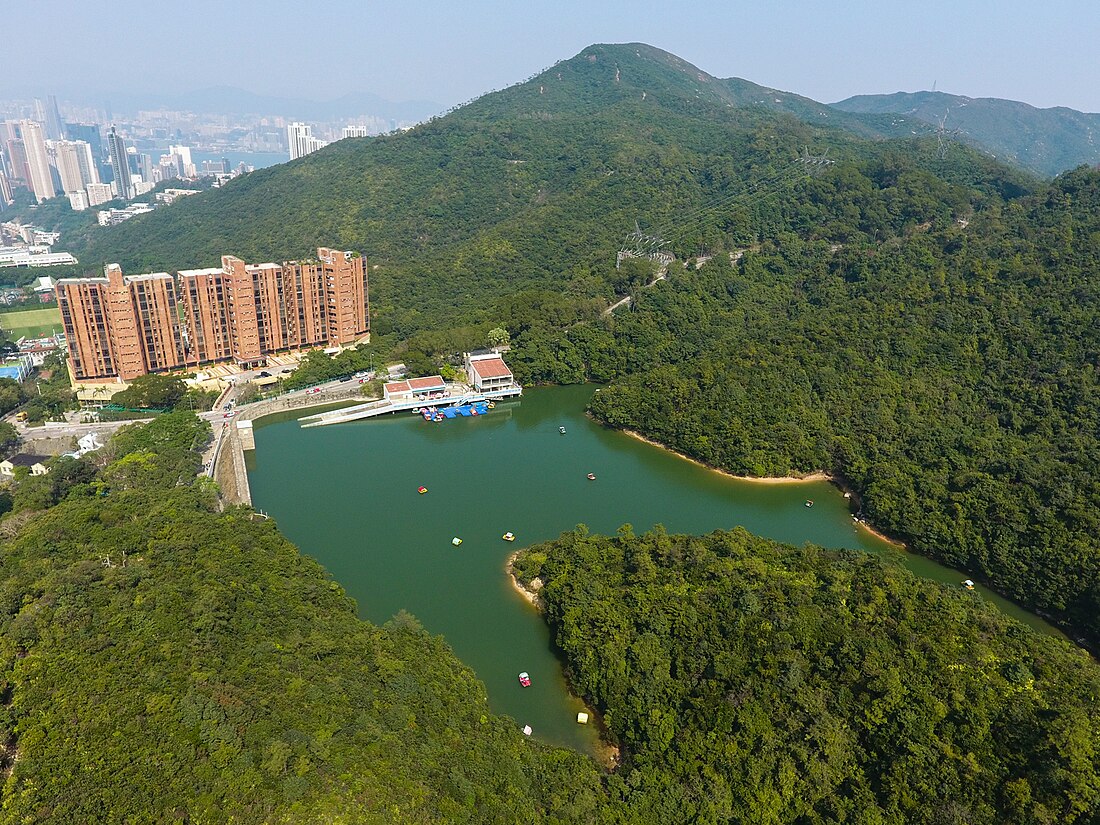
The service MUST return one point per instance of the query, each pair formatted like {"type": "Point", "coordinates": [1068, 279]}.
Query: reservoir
{"type": "Point", "coordinates": [348, 496]}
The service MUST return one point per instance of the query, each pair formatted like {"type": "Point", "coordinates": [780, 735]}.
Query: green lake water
{"type": "Point", "coordinates": [347, 495]}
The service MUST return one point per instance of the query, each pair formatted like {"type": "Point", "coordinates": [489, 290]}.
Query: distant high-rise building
{"type": "Point", "coordinates": [38, 162]}
{"type": "Point", "coordinates": [356, 132]}
{"type": "Point", "coordinates": [78, 200]}
{"type": "Point", "coordinates": [17, 157]}
{"type": "Point", "coordinates": [98, 193]}
{"type": "Point", "coordinates": [89, 133]}
{"type": "Point", "coordinates": [141, 165]}
{"type": "Point", "coordinates": [74, 164]}
{"type": "Point", "coordinates": [89, 169]}
{"type": "Point", "coordinates": [120, 164]}
{"type": "Point", "coordinates": [54, 127]}
{"type": "Point", "coordinates": [187, 167]}
{"type": "Point", "coordinates": [301, 140]}
{"type": "Point", "coordinates": [6, 196]}
{"type": "Point", "coordinates": [167, 169]}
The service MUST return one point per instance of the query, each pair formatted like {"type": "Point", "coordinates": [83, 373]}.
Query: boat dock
{"type": "Point", "coordinates": [490, 380]}
{"type": "Point", "coordinates": [388, 406]}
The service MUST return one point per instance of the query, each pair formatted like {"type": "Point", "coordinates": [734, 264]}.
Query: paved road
{"type": "Point", "coordinates": [297, 399]}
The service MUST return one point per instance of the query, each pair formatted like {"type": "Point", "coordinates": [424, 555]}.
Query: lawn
{"type": "Point", "coordinates": [31, 322]}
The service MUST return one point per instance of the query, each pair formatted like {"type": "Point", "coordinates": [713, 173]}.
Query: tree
{"type": "Point", "coordinates": [498, 337]}
{"type": "Point", "coordinates": [161, 392]}
{"type": "Point", "coordinates": [249, 393]}
{"type": "Point", "coordinates": [9, 436]}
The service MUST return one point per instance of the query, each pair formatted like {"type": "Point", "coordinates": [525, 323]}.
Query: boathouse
{"type": "Point", "coordinates": [488, 372]}
{"type": "Point", "coordinates": [431, 388]}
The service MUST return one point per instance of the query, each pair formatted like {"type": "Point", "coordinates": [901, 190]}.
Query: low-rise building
{"type": "Point", "coordinates": [36, 464]}
{"type": "Point", "coordinates": [431, 388]}
{"type": "Point", "coordinates": [113, 217]}
{"type": "Point", "coordinates": [172, 195]}
{"type": "Point", "coordinates": [98, 193]}
{"type": "Point", "coordinates": [488, 372]}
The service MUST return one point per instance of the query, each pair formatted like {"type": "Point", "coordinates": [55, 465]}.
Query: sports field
{"type": "Point", "coordinates": [31, 323]}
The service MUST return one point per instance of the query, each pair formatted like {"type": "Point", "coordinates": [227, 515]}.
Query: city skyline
{"type": "Point", "coordinates": [828, 52]}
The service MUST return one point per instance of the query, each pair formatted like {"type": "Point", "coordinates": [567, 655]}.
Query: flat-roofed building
{"type": "Point", "coordinates": [125, 326]}
{"type": "Point", "coordinates": [345, 283]}
{"type": "Point", "coordinates": [120, 326]}
{"type": "Point", "coordinates": [155, 308]}
{"type": "Point", "coordinates": [83, 305]}
{"type": "Point", "coordinates": [245, 317]}
{"type": "Point", "coordinates": [206, 312]}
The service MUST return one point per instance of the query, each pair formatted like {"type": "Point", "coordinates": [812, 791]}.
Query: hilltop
{"type": "Point", "coordinates": [531, 187]}
{"type": "Point", "coordinates": [1045, 141]}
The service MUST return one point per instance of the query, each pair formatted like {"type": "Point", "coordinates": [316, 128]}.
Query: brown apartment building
{"type": "Point", "coordinates": [124, 326]}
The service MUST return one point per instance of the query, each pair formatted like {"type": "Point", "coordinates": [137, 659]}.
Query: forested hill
{"type": "Point", "coordinates": [949, 376]}
{"type": "Point", "coordinates": [161, 661]}
{"type": "Point", "coordinates": [1046, 141]}
{"type": "Point", "coordinates": [751, 682]}
{"type": "Point", "coordinates": [534, 186]}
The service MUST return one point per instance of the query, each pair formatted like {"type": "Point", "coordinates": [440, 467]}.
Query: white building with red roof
{"type": "Point", "coordinates": [487, 373]}
{"type": "Point", "coordinates": [431, 388]}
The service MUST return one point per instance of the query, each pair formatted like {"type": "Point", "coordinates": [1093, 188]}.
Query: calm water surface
{"type": "Point", "coordinates": [347, 495]}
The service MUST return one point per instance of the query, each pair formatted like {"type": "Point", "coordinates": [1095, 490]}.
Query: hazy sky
{"type": "Point", "coordinates": [1043, 53]}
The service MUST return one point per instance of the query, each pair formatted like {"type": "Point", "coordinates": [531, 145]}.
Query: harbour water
{"type": "Point", "coordinates": [348, 496]}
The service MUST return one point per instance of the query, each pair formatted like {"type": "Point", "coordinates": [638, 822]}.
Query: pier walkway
{"type": "Point", "coordinates": [386, 407]}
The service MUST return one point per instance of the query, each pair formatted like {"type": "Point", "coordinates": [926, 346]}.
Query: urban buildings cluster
{"type": "Point", "coordinates": [75, 155]}
{"type": "Point", "coordinates": [51, 157]}
{"type": "Point", "coordinates": [28, 245]}
{"type": "Point", "coordinates": [118, 326]}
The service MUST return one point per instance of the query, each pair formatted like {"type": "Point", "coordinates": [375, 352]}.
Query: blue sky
{"type": "Point", "coordinates": [1046, 54]}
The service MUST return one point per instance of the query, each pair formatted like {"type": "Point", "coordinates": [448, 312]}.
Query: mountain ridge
{"type": "Point", "coordinates": [1044, 140]}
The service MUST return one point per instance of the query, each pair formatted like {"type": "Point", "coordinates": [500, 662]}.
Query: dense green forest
{"type": "Point", "coordinates": [162, 661]}
{"type": "Point", "coordinates": [920, 325]}
{"type": "Point", "coordinates": [925, 328]}
{"type": "Point", "coordinates": [949, 376]}
{"type": "Point", "coordinates": [750, 681]}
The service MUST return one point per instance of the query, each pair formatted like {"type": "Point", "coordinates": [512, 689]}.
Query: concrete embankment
{"type": "Point", "coordinates": [229, 467]}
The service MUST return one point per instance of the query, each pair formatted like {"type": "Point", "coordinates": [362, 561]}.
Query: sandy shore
{"type": "Point", "coordinates": [862, 525]}
{"type": "Point", "coordinates": [530, 595]}
{"type": "Point", "coordinates": [815, 476]}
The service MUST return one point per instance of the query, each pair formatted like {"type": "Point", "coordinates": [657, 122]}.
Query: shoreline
{"type": "Point", "coordinates": [532, 597]}
{"type": "Point", "coordinates": [606, 754]}
{"type": "Point", "coordinates": [817, 475]}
